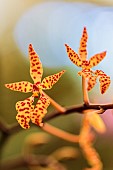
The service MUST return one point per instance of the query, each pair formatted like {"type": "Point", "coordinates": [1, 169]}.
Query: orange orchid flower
{"type": "Point", "coordinates": [80, 60]}
{"type": "Point", "coordinates": [25, 109]}
{"type": "Point", "coordinates": [36, 72]}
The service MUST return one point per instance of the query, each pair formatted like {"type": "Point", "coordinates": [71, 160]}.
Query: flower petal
{"type": "Point", "coordinates": [49, 81]}
{"type": "Point", "coordinates": [96, 59]}
{"type": "Point", "coordinates": [104, 81]}
{"type": "Point", "coordinates": [96, 122]}
{"type": "Point", "coordinates": [36, 69]}
{"type": "Point", "coordinates": [91, 82]}
{"type": "Point", "coordinates": [73, 56]}
{"type": "Point", "coordinates": [24, 109]}
{"type": "Point", "coordinates": [40, 110]}
{"type": "Point", "coordinates": [22, 86]}
{"type": "Point", "coordinates": [83, 45]}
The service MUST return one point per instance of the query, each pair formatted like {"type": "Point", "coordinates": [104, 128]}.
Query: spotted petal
{"type": "Point", "coordinates": [49, 81]}
{"type": "Point", "coordinates": [96, 59]}
{"type": "Point", "coordinates": [40, 110]}
{"type": "Point", "coordinates": [104, 80]}
{"type": "Point", "coordinates": [23, 86]}
{"type": "Point", "coordinates": [36, 69]}
{"type": "Point", "coordinates": [91, 82]}
{"type": "Point", "coordinates": [96, 122]}
{"type": "Point", "coordinates": [83, 45]}
{"type": "Point", "coordinates": [104, 83]}
{"type": "Point", "coordinates": [73, 56]}
{"type": "Point", "coordinates": [24, 109]}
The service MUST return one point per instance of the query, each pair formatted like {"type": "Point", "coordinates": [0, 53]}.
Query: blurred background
{"type": "Point", "coordinates": [48, 25]}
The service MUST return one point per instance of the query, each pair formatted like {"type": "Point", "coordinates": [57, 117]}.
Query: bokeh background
{"type": "Point", "coordinates": [48, 25]}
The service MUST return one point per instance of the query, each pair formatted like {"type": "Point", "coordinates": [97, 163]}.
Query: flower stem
{"type": "Point", "coordinates": [60, 133]}
{"type": "Point", "coordinates": [84, 89]}
{"type": "Point", "coordinates": [55, 104]}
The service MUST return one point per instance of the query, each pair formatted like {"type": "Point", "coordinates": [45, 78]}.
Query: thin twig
{"type": "Point", "coordinates": [60, 133]}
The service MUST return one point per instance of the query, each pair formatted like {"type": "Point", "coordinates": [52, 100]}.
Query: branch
{"type": "Point", "coordinates": [73, 109]}
{"type": "Point", "coordinates": [79, 109]}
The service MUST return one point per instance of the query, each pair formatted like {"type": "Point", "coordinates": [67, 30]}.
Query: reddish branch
{"type": "Point", "coordinates": [73, 109]}
{"type": "Point", "coordinates": [78, 109]}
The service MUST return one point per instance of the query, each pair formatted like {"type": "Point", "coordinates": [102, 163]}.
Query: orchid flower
{"type": "Point", "coordinates": [36, 72]}
{"type": "Point", "coordinates": [80, 60]}
{"type": "Point", "coordinates": [25, 109]}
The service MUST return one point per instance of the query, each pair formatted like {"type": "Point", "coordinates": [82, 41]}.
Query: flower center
{"type": "Point", "coordinates": [35, 88]}
{"type": "Point", "coordinates": [85, 64]}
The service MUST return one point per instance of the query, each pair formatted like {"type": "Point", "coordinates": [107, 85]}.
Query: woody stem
{"type": "Point", "coordinates": [55, 104]}
{"type": "Point", "coordinates": [60, 133]}
{"type": "Point", "coordinates": [84, 90]}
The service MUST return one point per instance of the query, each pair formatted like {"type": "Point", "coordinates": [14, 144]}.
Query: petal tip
{"type": "Point", "coordinates": [104, 53]}
{"type": "Point", "coordinates": [30, 47]}
{"type": "Point", "coordinates": [84, 28]}
{"type": "Point", "coordinates": [63, 71]}
{"type": "Point", "coordinates": [5, 85]}
{"type": "Point", "coordinates": [66, 45]}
